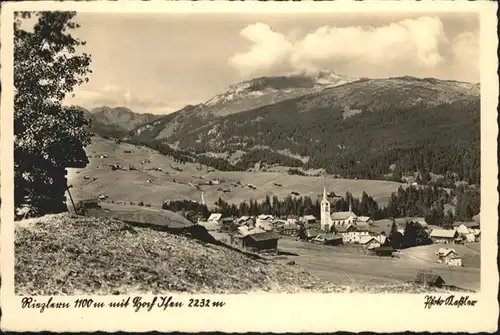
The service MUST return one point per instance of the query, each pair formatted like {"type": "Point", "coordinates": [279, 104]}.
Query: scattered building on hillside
{"type": "Point", "coordinates": [343, 218]}
{"type": "Point", "coordinates": [443, 235]}
{"type": "Point", "coordinates": [265, 222]}
{"type": "Point", "coordinates": [215, 217]}
{"type": "Point", "coordinates": [429, 279]}
{"type": "Point", "coordinates": [310, 221]}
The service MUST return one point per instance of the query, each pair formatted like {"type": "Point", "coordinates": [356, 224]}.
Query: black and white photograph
{"type": "Point", "coordinates": [250, 152]}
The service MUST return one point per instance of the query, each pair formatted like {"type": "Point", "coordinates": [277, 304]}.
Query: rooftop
{"type": "Point", "coordinates": [264, 236]}
{"type": "Point", "coordinates": [342, 215]}
{"type": "Point", "coordinates": [446, 233]}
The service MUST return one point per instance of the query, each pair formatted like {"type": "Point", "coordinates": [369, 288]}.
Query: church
{"type": "Point", "coordinates": [329, 219]}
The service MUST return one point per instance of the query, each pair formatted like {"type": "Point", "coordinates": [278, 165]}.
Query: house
{"type": "Point", "coordinates": [454, 261]}
{"type": "Point", "coordinates": [215, 217]}
{"type": "Point", "coordinates": [369, 242]}
{"type": "Point", "coordinates": [261, 242]}
{"type": "Point", "coordinates": [310, 221]}
{"type": "Point", "coordinates": [429, 279]}
{"type": "Point", "coordinates": [246, 220]}
{"type": "Point", "coordinates": [312, 233]}
{"type": "Point", "coordinates": [445, 254]}
{"type": "Point", "coordinates": [383, 251]}
{"type": "Point", "coordinates": [265, 222]}
{"type": "Point", "coordinates": [332, 239]}
{"type": "Point", "coordinates": [245, 230]}
{"type": "Point", "coordinates": [468, 231]}
{"type": "Point", "coordinates": [289, 228]}
{"type": "Point", "coordinates": [343, 218]}
{"type": "Point", "coordinates": [351, 233]}
{"type": "Point", "coordinates": [329, 239]}
{"type": "Point", "coordinates": [381, 228]}
{"type": "Point", "coordinates": [443, 235]}
{"type": "Point", "coordinates": [365, 220]}
{"type": "Point", "coordinates": [227, 224]}
{"type": "Point", "coordinates": [469, 225]}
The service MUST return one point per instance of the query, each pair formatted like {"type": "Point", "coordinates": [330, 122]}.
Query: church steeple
{"type": "Point", "coordinates": [325, 211]}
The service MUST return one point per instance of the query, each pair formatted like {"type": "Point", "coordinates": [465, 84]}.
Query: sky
{"type": "Point", "coordinates": [158, 63]}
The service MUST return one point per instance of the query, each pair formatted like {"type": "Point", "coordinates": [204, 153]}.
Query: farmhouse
{"type": "Point", "coordinates": [445, 254]}
{"type": "Point", "coordinates": [312, 233]}
{"type": "Point", "coordinates": [454, 261]}
{"type": "Point", "coordinates": [329, 239]}
{"type": "Point", "coordinates": [261, 242]}
{"type": "Point", "coordinates": [343, 218]}
{"type": "Point", "coordinates": [215, 217]}
{"type": "Point", "coordinates": [310, 221]}
{"type": "Point", "coordinates": [429, 279]}
{"type": "Point", "coordinates": [265, 222]}
{"type": "Point", "coordinates": [383, 251]}
{"type": "Point", "coordinates": [443, 235]}
{"type": "Point", "coordinates": [246, 220]}
{"type": "Point", "coordinates": [468, 231]}
{"type": "Point", "coordinates": [351, 233]}
{"type": "Point", "coordinates": [289, 228]}
{"type": "Point", "coordinates": [244, 230]}
{"type": "Point", "coordinates": [369, 242]}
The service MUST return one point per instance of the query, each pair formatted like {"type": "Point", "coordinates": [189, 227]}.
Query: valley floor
{"type": "Point", "coordinates": [348, 264]}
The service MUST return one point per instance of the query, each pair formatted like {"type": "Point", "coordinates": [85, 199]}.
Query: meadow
{"type": "Point", "coordinates": [156, 178]}
{"type": "Point", "coordinates": [348, 264]}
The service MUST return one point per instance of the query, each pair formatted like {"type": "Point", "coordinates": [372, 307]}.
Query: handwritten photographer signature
{"type": "Point", "coordinates": [451, 300]}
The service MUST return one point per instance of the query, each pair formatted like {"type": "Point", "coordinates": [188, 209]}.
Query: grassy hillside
{"type": "Point", "coordinates": [176, 180]}
{"type": "Point", "coordinates": [59, 254]}
{"type": "Point", "coordinates": [470, 253]}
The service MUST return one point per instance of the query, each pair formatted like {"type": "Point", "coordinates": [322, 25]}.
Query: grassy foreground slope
{"type": "Point", "coordinates": [60, 254]}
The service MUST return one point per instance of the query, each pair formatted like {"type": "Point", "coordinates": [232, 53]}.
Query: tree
{"type": "Point", "coordinates": [395, 237]}
{"type": "Point", "coordinates": [49, 137]}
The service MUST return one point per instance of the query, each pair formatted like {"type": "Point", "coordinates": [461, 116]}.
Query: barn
{"type": "Point", "coordinates": [261, 242]}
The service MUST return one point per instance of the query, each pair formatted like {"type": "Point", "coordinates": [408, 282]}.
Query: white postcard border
{"type": "Point", "coordinates": [269, 312]}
